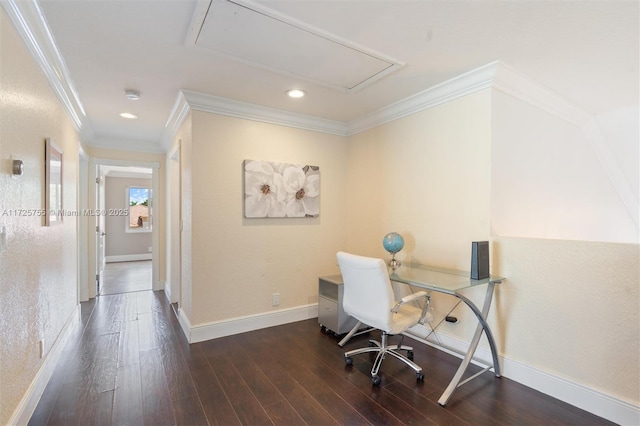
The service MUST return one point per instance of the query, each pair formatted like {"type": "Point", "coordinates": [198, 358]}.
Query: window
{"type": "Point", "coordinates": [139, 201]}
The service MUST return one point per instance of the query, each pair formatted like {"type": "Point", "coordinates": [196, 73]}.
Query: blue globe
{"type": "Point", "coordinates": [393, 242]}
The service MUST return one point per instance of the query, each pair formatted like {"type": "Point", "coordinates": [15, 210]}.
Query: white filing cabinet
{"type": "Point", "coordinates": [331, 316]}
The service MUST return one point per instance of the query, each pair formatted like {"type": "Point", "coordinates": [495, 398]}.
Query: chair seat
{"type": "Point", "coordinates": [404, 319]}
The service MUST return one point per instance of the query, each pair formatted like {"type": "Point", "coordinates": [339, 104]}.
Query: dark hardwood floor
{"type": "Point", "coordinates": [128, 363]}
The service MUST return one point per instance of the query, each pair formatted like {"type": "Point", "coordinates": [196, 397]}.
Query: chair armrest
{"type": "Point", "coordinates": [409, 298]}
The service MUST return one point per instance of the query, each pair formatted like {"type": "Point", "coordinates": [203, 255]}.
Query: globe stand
{"type": "Point", "coordinates": [394, 263]}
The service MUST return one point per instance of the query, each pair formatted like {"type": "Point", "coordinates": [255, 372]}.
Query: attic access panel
{"type": "Point", "coordinates": [267, 39]}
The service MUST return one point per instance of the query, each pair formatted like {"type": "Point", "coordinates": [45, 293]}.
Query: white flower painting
{"type": "Point", "coordinates": [280, 190]}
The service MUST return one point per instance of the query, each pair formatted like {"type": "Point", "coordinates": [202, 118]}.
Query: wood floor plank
{"type": "Point", "coordinates": [156, 402]}
{"type": "Point", "coordinates": [245, 404]}
{"type": "Point", "coordinates": [129, 346]}
{"type": "Point", "coordinates": [127, 401]}
{"type": "Point", "coordinates": [97, 409]}
{"type": "Point", "coordinates": [282, 413]}
{"type": "Point", "coordinates": [304, 404]}
{"type": "Point", "coordinates": [179, 380]}
{"type": "Point", "coordinates": [147, 338]}
{"type": "Point", "coordinates": [188, 411]}
{"type": "Point", "coordinates": [260, 385]}
{"type": "Point", "coordinates": [435, 414]}
{"type": "Point", "coordinates": [297, 366]}
{"type": "Point", "coordinates": [215, 403]}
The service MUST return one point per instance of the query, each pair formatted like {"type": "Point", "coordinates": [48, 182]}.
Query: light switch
{"type": "Point", "coordinates": [3, 238]}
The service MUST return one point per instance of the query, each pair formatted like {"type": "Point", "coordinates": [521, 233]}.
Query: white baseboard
{"type": "Point", "coordinates": [29, 402]}
{"type": "Point", "coordinates": [128, 257]}
{"type": "Point", "coordinates": [232, 326]}
{"type": "Point", "coordinates": [185, 324]}
{"type": "Point", "coordinates": [585, 398]}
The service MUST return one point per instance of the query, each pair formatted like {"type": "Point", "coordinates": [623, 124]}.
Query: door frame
{"type": "Point", "coordinates": [94, 164]}
{"type": "Point", "coordinates": [83, 226]}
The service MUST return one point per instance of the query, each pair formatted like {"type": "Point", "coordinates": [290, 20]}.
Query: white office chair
{"type": "Point", "coordinates": [369, 298]}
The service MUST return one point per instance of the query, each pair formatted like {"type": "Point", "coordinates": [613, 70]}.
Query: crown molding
{"type": "Point", "coordinates": [34, 31]}
{"type": "Point", "coordinates": [465, 84]}
{"type": "Point", "coordinates": [127, 145]}
{"type": "Point", "coordinates": [520, 86]}
{"type": "Point", "coordinates": [178, 114]}
{"type": "Point", "coordinates": [248, 111]}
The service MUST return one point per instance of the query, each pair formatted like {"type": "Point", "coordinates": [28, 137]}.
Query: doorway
{"type": "Point", "coordinates": [127, 198]}
{"type": "Point", "coordinates": [124, 246]}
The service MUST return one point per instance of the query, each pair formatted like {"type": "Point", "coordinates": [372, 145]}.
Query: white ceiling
{"type": "Point", "coordinates": [586, 51]}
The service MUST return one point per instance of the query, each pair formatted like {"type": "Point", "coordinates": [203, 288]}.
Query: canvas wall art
{"type": "Point", "coordinates": [280, 190]}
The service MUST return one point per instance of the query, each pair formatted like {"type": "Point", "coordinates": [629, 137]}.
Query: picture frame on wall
{"type": "Point", "coordinates": [52, 184]}
{"type": "Point", "coordinates": [281, 190]}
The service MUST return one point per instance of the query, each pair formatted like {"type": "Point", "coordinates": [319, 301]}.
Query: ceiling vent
{"type": "Point", "coordinates": [267, 39]}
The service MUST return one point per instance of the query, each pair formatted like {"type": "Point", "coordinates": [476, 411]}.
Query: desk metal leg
{"type": "Point", "coordinates": [482, 326]}
{"type": "Point", "coordinates": [346, 338]}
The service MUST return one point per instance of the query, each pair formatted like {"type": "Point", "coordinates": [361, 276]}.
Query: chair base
{"type": "Point", "coordinates": [382, 348]}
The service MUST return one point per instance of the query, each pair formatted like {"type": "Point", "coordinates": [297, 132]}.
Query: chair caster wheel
{"type": "Point", "coordinates": [410, 355]}
{"type": "Point", "coordinates": [420, 376]}
{"type": "Point", "coordinates": [376, 380]}
{"type": "Point", "coordinates": [348, 360]}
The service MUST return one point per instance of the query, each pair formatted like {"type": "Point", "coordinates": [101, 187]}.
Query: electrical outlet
{"type": "Point", "coordinates": [275, 299]}
{"type": "Point", "coordinates": [150, 249]}
{"type": "Point", "coordinates": [41, 347]}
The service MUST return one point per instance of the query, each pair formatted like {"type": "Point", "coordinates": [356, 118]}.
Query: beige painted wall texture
{"type": "Point", "coordinates": [425, 176]}
{"type": "Point", "coordinates": [570, 308]}
{"type": "Point", "coordinates": [38, 279]}
{"type": "Point", "coordinates": [549, 182]}
{"type": "Point", "coordinates": [237, 263]}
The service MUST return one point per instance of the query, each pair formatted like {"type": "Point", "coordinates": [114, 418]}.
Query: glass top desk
{"type": "Point", "coordinates": [453, 282]}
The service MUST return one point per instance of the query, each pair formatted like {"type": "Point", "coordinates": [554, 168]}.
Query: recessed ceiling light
{"type": "Point", "coordinates": [296, 93]}
{"type": "Point", "coordinates": [132, 95]}
{"type": "Point", "coordinates": [128, 115]}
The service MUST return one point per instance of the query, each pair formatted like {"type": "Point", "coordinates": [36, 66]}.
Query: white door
{"type": "Point", "coordinates": [101, 233]}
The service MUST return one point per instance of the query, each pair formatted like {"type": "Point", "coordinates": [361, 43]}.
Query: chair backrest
{"type": "Point", "coordinates": [368, 295]}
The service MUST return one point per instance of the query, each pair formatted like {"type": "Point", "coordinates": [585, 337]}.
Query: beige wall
{"type": "Point", "coordinates": [425, 176]}
{"type": "Point", "coordinates": [570, 309]}
{"type": "Point", "coordinates": [548, 181]}
{"type": "Point", "coordinates": [38, 278]}
{"type": "Point", "coordinates": [237, 263]}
